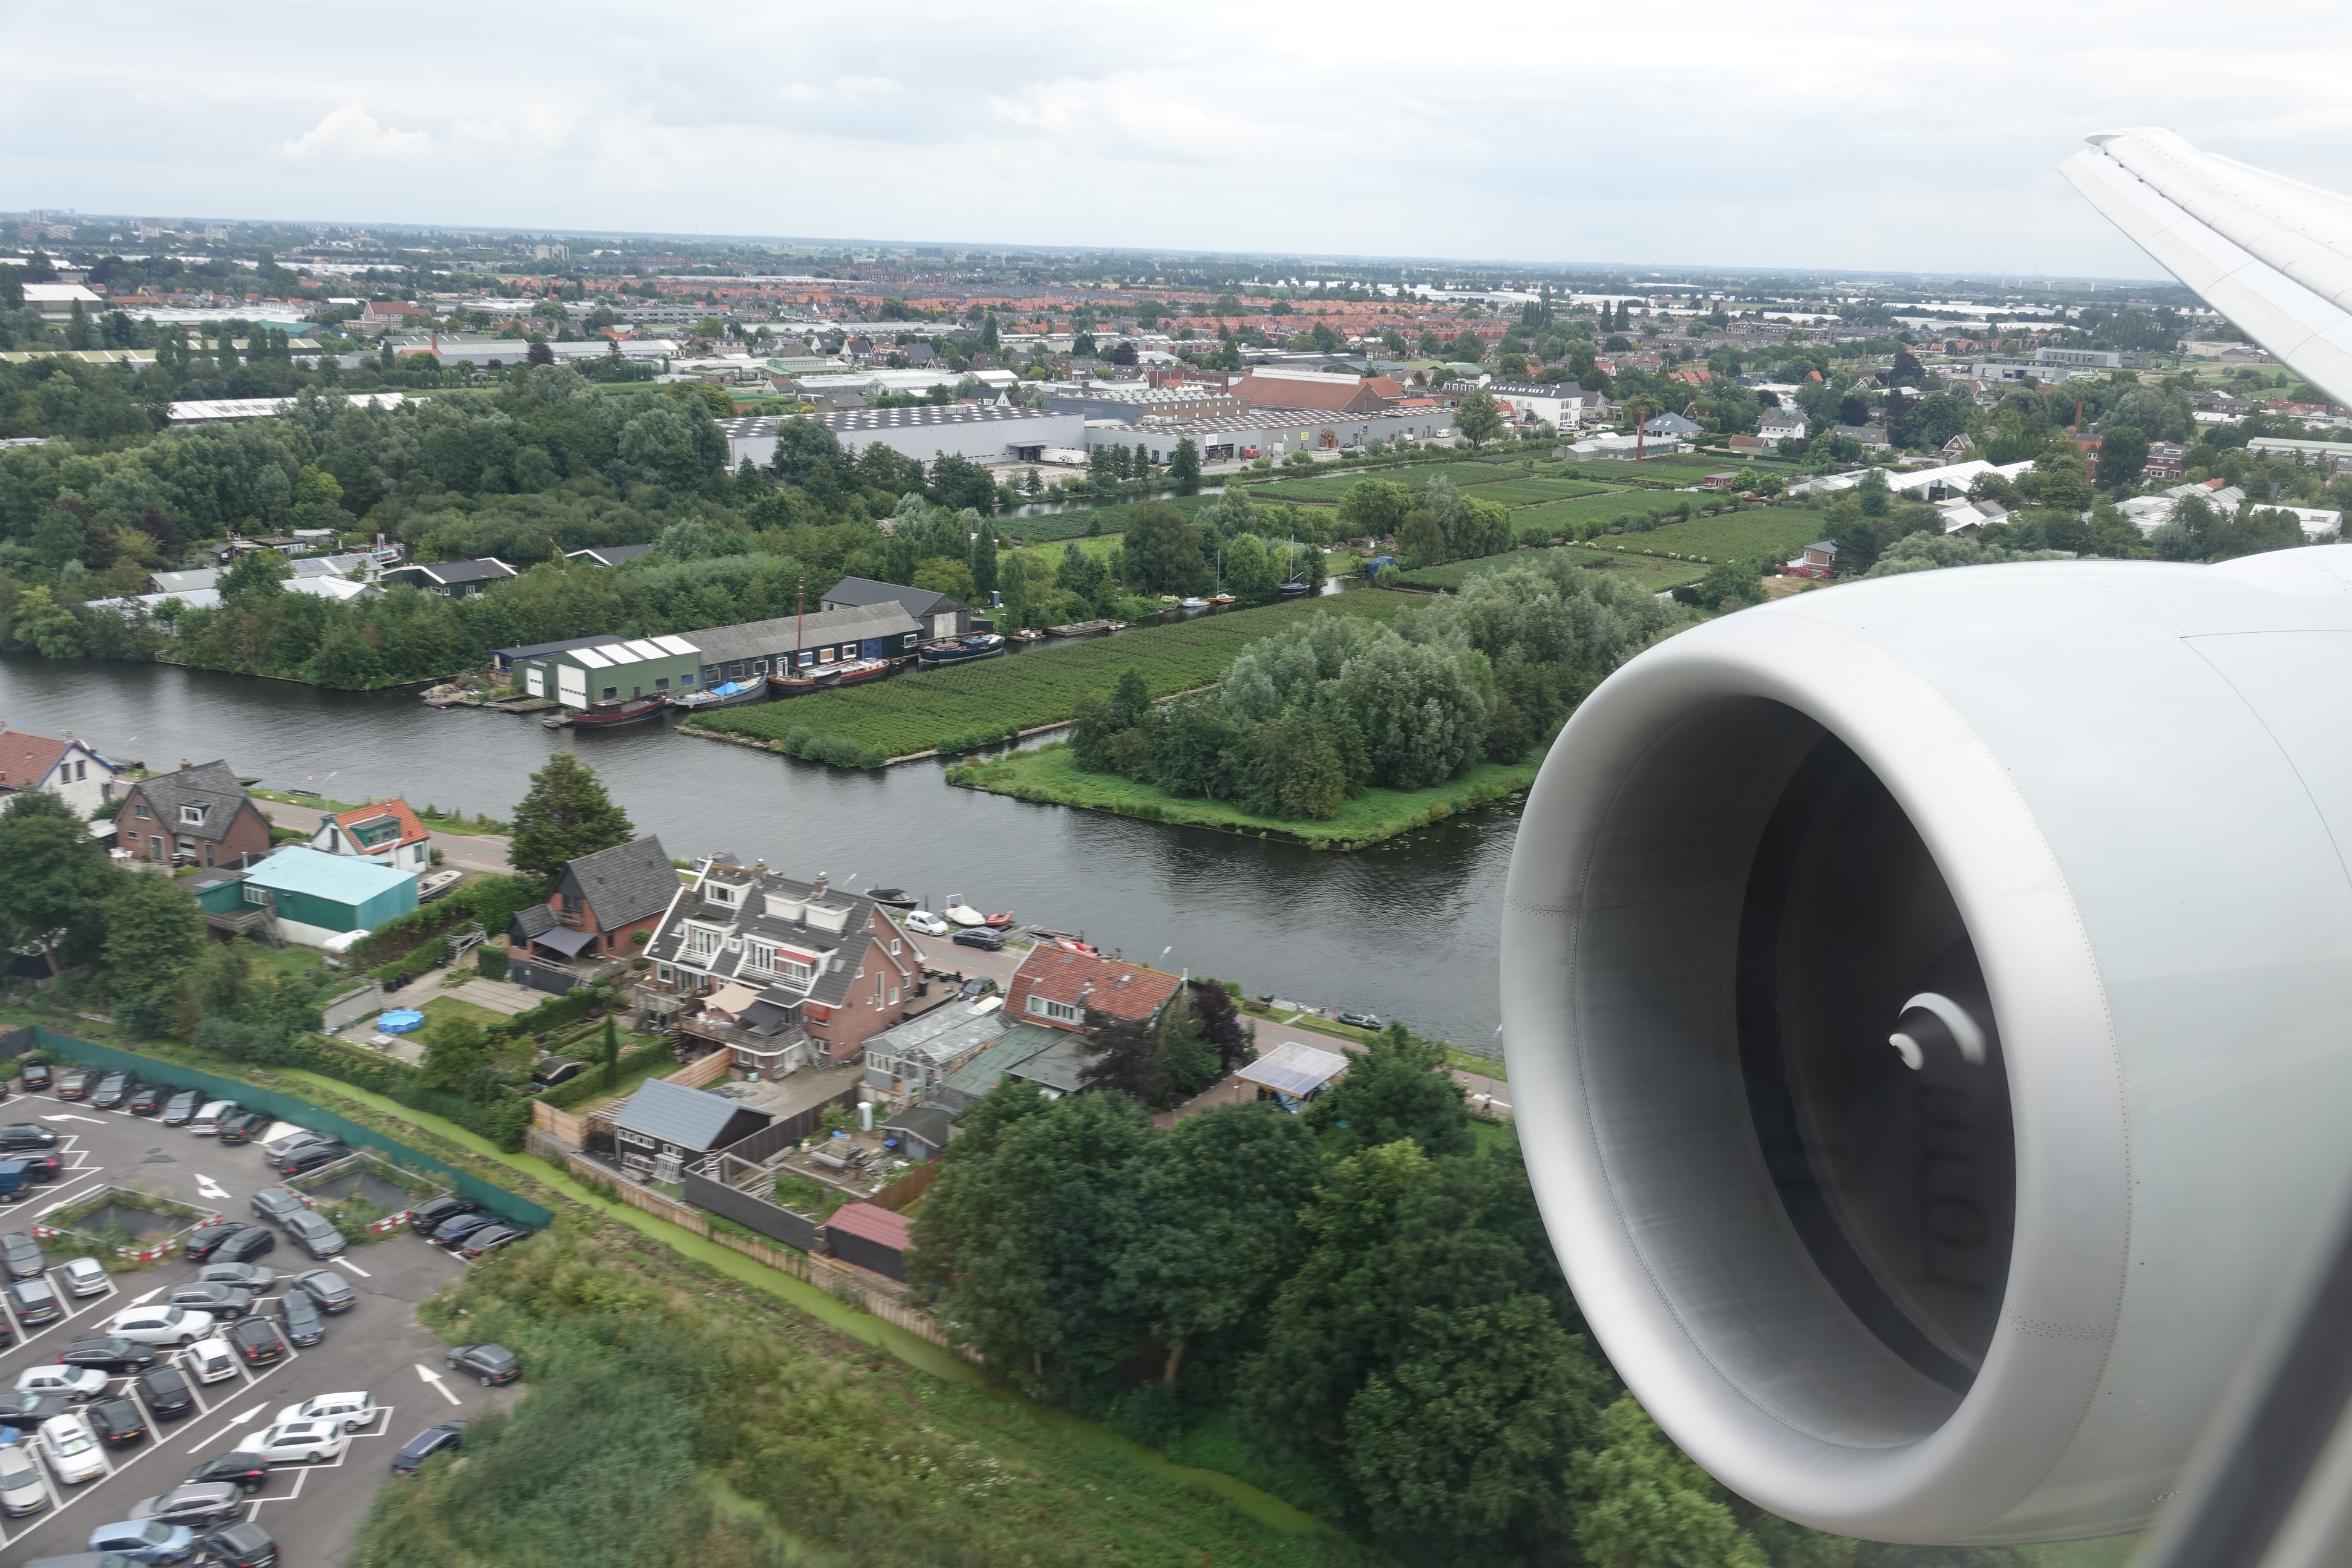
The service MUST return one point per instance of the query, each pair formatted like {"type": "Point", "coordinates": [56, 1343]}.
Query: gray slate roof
{"type": "Point", "coordinates": [978, 1076]}
{"type": "Point", "coordinates": [845, 949]}
{"type": "Point", "coordinates": [919, 602]}
{"type": "Point", "coordinates": [607, 555]}
{"type": "Point", "coordinates": [928, 1123]}
{"type": "Point", "coordinates": [790, 634]}
{"type": "Point", "coordinates": [212, 785]}
{"type": "Point", "coordinates": [675, 1114]}
{"type": "Point", "coordinates": [624, 883]}
{"type": "Point", "coordinates": [1061, 1065]}
{"type": "Point", "coordinates": [942, 1034]}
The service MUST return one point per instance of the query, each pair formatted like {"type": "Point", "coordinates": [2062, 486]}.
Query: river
{"type": "Point", "coordinates": [1407, 930]}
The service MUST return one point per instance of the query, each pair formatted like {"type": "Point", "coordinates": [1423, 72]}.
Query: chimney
{"type": "Point", "coordinates": [822, 878]}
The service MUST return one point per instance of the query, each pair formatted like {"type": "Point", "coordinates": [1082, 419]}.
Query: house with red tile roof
{"type": "Point", "coordinates": [67, 769]}
{"type": "Point", "coordinates": [1062, 989]}
{"type": "Point", "coordinates": [387, 833]}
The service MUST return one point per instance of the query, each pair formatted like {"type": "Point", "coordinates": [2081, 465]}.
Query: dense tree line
{"type": "Point", "coordinates": [1316, 714]}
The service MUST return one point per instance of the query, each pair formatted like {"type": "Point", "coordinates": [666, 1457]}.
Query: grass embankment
{"type": "Point", "coordinates": [1048, 776]}
{"type": "Point", "coordinates": [927, 709]}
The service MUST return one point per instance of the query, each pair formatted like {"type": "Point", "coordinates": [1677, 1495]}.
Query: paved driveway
{"type": "Point", "coordinates": [314, 1511]}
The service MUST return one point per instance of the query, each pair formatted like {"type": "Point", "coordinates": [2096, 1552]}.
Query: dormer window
{"type": "Point", "coordinates": [1043, 1008]}
{"type": "Point", "coordinates": [720, 893]}
{"type": "Point", "coordinates": [191, 817]}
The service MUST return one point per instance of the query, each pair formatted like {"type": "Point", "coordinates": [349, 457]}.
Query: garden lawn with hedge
{"type": "Point", "coordinates": [965, 707]}
{"type": "Point", "coordinates": [1049, 776]}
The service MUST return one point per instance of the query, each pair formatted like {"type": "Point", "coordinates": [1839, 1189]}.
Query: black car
{"type": "Point", "coordinates": [258, 1341]}
{"type": "Point", "coordinates": [486, 1365]}
{"type": "Point", "coordinates": [118, 1421]}
{"type": "Point", "coordinates": [108, 1354]}
{"type": "Point", "coordinates": [230, 1242]}
{"type": "Point", "coordinates": [257, 1278]}
{"type": "Point", "coordinates": [148, 1101]}
{"type": "Point", "coordinates": [166, 1391]}
{"type": "Point", "coordinates": [23, 1255]}
{"type": "Point", "coordinates": [973, 989]}
{"type": "Point", "coordinates": [223, 1301]}
{"type": "Point", "coordinates": [330, 1289]}
{"type": "Point", "coordinates": [41, 1168]}
{"type": "Point", "coordinates": [310, 1157]}
{"type": "Point", "coordinates": [75, 1084]}
{"type": "Point", "coordinates": [181, 1107]}
{"type": "Point", "coordinates": [250, 1471]}
{"type": "Point", "coordinates": [244, 1544]}
{"type": "Point", "coordinates": [113, 1089]}
{"type": "Point", "coordinates": [488, 1238]}
{"type": "Point", "coordinates": [243, 1128]}
{"type": "Point", "coordinates": [26, 1412]}
{"type": "Point", "coordinates": [36, 1301]}
{"type": "Point", "coordinates": [433, 1213]}
{"type": "Point", "coordinates": [458, 1229]}
{"type": "Point", "coordinates": [34, 1075]}
{"type": "Point", "coordinates": [981, 936]}
{"type": "Point", "coordinates": [298, 1316]}
{"type": "Point", "coordinates": [19, 1136]}
{"type": "Point", "coordinates": [425, 1444]}
{"type": "Point", "coordinates": [206, 1239]}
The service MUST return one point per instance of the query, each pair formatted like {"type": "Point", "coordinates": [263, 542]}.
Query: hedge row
{"type": "Point", "coordinates": [492, 901]}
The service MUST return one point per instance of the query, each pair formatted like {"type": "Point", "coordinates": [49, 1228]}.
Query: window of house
{"type": "Point", "coordinates": [701, 942]}
{"type": "Point", "coordinates": [763, 957]}
{"type": "Point", "coordinates": [157, 841]}
{"type": "Point", "coordinates": [254, 895]}
{"type": "Point", "coordinates": [191, 816]}
{"type": "Point", "coordinates": [664, 973]}
{"type": "Point", "coordinates": [720, 893]}
{"type": "Point", "coordinates": [825, 656]}
{"type": "Point", "coordinates": [662, 684]}
{"type": "Point", "coordinates": [894, 947]}
{"type": "Point", "coordinates": [795, 970]}
{"type": "Point", "coordinates": [893, 996]}
{"type": "Point", "coordinates": [610, 693]}
{"type": "Point", "coordinates": [1043, 1009]}
{"type": "Point", "coordinates": [142, 811]}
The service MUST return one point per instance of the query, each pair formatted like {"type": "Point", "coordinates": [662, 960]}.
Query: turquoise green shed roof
{"type": "Point", "coordinates": [342, 878]}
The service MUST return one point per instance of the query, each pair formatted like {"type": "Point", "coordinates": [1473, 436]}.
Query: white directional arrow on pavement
{"type": "Point", "coordinates": [235, 1422]}
{"type": "Point", "coordinates": [207, 1187]}
{"type": "Point", "coordinates": [69, 1116]}
{"type": "Point", "coordinates": [429, 1375]}
{"type": "Point", "coordinates": [142, 1300]}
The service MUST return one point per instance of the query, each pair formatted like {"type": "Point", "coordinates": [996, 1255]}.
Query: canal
{"type": "Point", "coordinates": [1408, 929]}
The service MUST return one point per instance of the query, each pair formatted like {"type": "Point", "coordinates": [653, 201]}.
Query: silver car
{"type": "Point", "coordinates": [83, 1276]}
{"type": "Point", "coordinates": [279, 1205]}
{"type": "Point", "coordinates": [316, 1233]}
{"type": "Point", "coordinates": [22, 1489]}
{"type": "Point", "coordinates": [199, 1505]}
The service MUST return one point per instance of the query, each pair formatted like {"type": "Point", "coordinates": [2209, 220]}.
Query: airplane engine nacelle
{"type": "Point", "coordinates": [1929, 1013]}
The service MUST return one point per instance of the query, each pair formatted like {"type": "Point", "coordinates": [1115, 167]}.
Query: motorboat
{"type": "Point", "coordinates": [1220, 598]}
{"type": "Point", "coordinates": [1190, 604]}
{"type": "Point", "coordinates": [1072, 944]}
{"type": "Point", "coordinates": [894, 898]}
{"type": "Point", "coordinates": [1028, 634]}
{"type": "Point", "coordinates": [959, 649]}
{"type": "Point", "coordinates": [433, 884]}
{"type": "Point", "coordinates": [731, 694]}
{"type": "Point", "coordinates": [999, 922]}
{"type": "Point", "coordinates": [964, 914]}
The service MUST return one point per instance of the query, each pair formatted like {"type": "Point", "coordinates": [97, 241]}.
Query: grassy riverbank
{"type": "Point", "coordinates": [1047, 775]}
{"type": "Point", "coordinates": [947, 709]}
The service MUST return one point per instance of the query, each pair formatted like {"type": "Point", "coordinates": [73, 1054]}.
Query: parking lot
{"type": "Point", "coordinates": [314, 1511]}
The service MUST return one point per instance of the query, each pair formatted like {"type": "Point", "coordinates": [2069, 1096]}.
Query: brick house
{"type": "Point", "coordinates": [201, 811]}
{"type": "Point", "coordinates": [598, 903]}
{"type": "Point", "coordinates": [66, 769]}
{"type": "Point", "coordinates": [388, 834]}
{"type": "Point", "coordinates": [1060, 989]}
{"type": "Point", "coordinates": [808, 972]}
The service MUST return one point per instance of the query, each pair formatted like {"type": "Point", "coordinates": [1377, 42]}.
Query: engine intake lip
{"type": "Point", "coordinates": [1620, 953]}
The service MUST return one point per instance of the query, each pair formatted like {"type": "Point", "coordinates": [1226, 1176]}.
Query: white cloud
{"type": "Point", "coordinates": [352, 133]}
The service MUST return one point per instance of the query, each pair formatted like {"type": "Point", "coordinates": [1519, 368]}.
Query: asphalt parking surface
{"type": "Point", "coordinates": [314, 1511]}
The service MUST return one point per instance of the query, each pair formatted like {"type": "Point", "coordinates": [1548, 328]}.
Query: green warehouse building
{"type": "Point", "coordinates": [316, 896]}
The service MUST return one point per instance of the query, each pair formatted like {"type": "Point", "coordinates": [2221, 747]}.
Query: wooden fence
{"type": "Point", "coordinates": [703, 1071]}
{"type": "Point", "coordinates": [571, 1127]}
{"type": "Point", "coordinates": [560, 1124]}
{"type": "Point", "coordinates": [907, 1188]}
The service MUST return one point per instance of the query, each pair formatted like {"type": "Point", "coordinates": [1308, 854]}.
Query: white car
{"type": "Point", "coordinates": [83, 1276]}
{"type": "Point", "coordinates": [22, 1489]}
{"type": "Point", "coordinates": [72, 1449]}
{"type": "Point", "coordinates": [297, 1442]}
{"type": "Point", "coordinates": [353, 1410]}
{"type": "Point", "coordinates": [922, 923]}
{"type": "Point", "coordinates": [73, 1382]}
{"type": "Point", "coordinates": [210, 1360]}
{"type": "Point", "coordinates": [160, 1325]}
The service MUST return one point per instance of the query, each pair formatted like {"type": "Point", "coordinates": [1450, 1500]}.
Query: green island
{"type": "Point", "coordinates": [1049, 776]}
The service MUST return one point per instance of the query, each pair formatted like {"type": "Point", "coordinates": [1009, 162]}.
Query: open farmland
{"type": "Point", "coordinates": [1506, 481]}
{"type": "Point", "coordinates": [1638, 569]}
{"type": "Point", "coordinates": [922, 710]}
{"type": "Point", "coordinates": [1765, 533]}
{"type": "Point", "coordinates": [1532, 492]}
{"type": "Point", "coordinates": [1082, 521]}
{"type": "Point", "coordinates": [1590, 514]}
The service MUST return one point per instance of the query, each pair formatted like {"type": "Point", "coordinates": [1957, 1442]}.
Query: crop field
{"type": "Point", "coordinates": [1506, 481]}
{"type": "Point", "coordinates": [1766, 533]}
{"type": "Point", "coordinates": [1589, 512]}
{"type": "Point", "coordinates": [1534, 492]}
{"type": "Point", "coordinates": [1638, 569]}
{"type": "Point", "coordinates": [922, 710]}
{"type": "Point", "coordinates": [1655, 471]}
{"type": "Point", "coordinates": [1082, 521]}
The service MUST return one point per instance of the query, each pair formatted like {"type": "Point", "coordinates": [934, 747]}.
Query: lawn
{"type": "Point", "coordinates": [1048, 775]}
{"type": "Point", "coordinates": [1639, 569]}
{"type": "Point", "coordinates": [928, 708]}
{"type": "Point", "coordinates": [1085, 521]}
{"type": "Point", "coordinates": [1764, 533]}
{"type": "Point", "coordinates": [442, 1008]}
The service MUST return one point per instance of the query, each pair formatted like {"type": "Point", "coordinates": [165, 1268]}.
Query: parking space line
{"type": "Point", "coordinates": [347, 1263]}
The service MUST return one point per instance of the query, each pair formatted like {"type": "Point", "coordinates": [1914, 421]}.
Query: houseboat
{"type": "Point", "coordinates": [959, 650]}
{"type": "Point", "coordinates": [731, 694]}
{"type": "Point", "coordinates": [624, 710]}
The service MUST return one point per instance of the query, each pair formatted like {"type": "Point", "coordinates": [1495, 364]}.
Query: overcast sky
{"type": "Point", "coordinates": [1917, 138]}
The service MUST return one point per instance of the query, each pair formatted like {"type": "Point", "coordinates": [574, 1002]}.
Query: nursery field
{"type": "Point", "coordinates": [966, 706]}
{"type": "Point", "coordinates": [1083, 522]}
{"type": "Point", "coordinates": [1589, 514]}
{"type": "Point", "coordinates": [1639, 569]}
{"type": "Point", "coordinates": [1764, 533]}
{"type": "Point", "coordinates": [1507, 481]}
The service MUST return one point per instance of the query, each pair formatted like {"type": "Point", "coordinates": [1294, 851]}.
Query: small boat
{"type": "Point", "coordinates": [999, 922]}
{"type": "Point", "coordinates": [730, 694]}
{"type": "Point", "coordinates": [895, 898]}
{"type": "Point", "coordinates": [1220, 598]}
{"type": "Point", "coordinates": [1192, 604]}
{"type": "Point", "coordinates": [628, 711]}
{"type": "Point", "coordinates": [433, 884]}
{"type": "Point", "coordinates": [964, 914]}
{"type": "Point", "coordinates": [1296, 590]}
{"type": "Point", "coordinates": [1028, 634]}
{"type": "Point", "coordinates": [800, 682]}
{"type": "Point", "coordinates": [959, 650]}
{"type": "Point", "coordinates": [1072, 944]}
{"type": "Point", "coordinates": [860, 671]}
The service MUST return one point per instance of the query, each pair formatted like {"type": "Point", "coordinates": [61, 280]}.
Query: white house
{"type": "Point", "coordinates": [66, 769]}
{"type": "Point", "coordinates": [1780, 425]}
{"type": "Point", "coordinates": [386, 834]}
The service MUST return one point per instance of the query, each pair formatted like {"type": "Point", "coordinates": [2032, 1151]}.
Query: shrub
{"type": "Point", "coordinates": [490, 963]}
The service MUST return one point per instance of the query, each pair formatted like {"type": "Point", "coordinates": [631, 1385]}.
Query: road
{"type": "Point", "coordinates": [314, 1511]}
{"type": "Point", "coordinates": [465, 851]}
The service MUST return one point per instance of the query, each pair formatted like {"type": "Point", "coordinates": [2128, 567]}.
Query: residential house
{"type": "Point", "coordinates": [1872, 437]}
{"type": "Point", "coordinates": [667, 1121]}
{"type": "Point", "coordinates": [1060, 1068]}
{"type": "Point", "coordinates": [936, 614]}
{"type": "Point", "coordinates": [67, 769]}
{"type": "Point", "coordinates": [908, 1061]}
{"type": "Point", "coordinates": [607, 555]}
{"type": "Point", "coordinates": [1068, 990]}
{"type": "Point", "coordinates": [871, 1237]}
{"type": "Point", "coordinates": [387, 833]}
{"type": "Point", "coordinates": [452, 579]}
{"type": "Point", "coordinates": [829, 969]}
{"type": "Point", "coordinates": [967, 1085]}
{"type": "Point", "coordinates": [1674, 426]}
{"type": "Point", "coordinates": [200, 811]}
{"type": "Point", "coordinates": [1818, 559]}
{"type": "Point", "coordinates": [1294, 1073]}
{"type": "Point", "coordinates": [318, 897]}
{"type": "Point", "coordinates": [2164, 460]}
{"type": "Point", "coordinates": [1562, 405]}
{"type": "Point", "coordinates": [598, 905]}
{"type": "Point", "coordinates": [1780, 425]}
